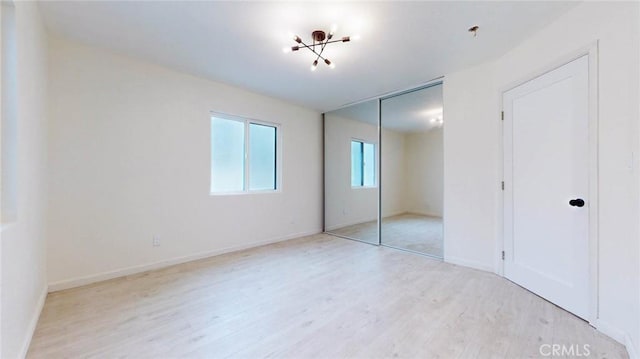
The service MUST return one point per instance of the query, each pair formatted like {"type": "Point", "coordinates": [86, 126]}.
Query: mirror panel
{"type": "Point", "coordinates": [351, 172]}
{"type": "Point", "coordinates": [413, 171]}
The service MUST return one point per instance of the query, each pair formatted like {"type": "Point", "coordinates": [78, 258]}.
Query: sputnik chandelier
{"type": "Point", "coordinates": [320, 40]}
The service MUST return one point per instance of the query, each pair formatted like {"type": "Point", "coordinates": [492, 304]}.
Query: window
{"type": "Point", "coordinates": [243, 155]}
{"type": "Point", "coordinates": [363, 164]}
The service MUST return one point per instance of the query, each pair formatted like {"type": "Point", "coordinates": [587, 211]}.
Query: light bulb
{"type": "Point", "coordinates": [314, 65]}
{"type": "Point", "coordinates": [329, 63]}
{"type": "Point", "coordinates": [355, 37]}
{"type": "Point", "coordinates": [286, 50]}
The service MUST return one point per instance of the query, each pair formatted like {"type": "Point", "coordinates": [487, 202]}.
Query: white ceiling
{"type": "Point", "coordinates": [402, 44]}
{"type": "Point", "coordinates": [409, 112]}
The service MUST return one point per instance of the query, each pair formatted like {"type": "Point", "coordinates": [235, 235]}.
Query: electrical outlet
{"type": "Point", "coordinates": [156, 241]}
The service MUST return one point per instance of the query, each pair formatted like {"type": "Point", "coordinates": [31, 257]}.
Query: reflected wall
{"type": "Point", "coordinates": [351, 172]}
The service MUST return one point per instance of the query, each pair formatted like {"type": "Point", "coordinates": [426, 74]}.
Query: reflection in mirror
{"type": "Point", "coordinates": [413, 171]}
{"type": "Point", "coordinates": [351, 173]}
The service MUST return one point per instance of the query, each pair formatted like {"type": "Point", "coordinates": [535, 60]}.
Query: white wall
{"type": "Point", "coordinates": [473, 157]}
{"type": "Point", "coordinates": [424, 168]}
{"type": "Point", "coordinates": [130, 159]}
{"type": "Point", "coordinates": [394, 181]}
{"type": "Point", "coordinates": [24, 279]}
{"type": "Point", "coordinates": [471, 168]}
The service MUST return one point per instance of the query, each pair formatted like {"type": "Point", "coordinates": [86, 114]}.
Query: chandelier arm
{"type": "Point", "coordinates": [333, 41]}
{"type": "Point", "coordinates": [315, 52]}
{"type": "Point", "coordinates": [328, 42]}
{"type": "Point", "coordinates": [321, 51]}
{"type": "Point", "coordinates": [307, 46]}
{"type": "Point", "coordinates": [322, 48]}
{"type": "Point", "coordinates": [303, 44]}
{"type": "Point", "coordinates": [319, 56]}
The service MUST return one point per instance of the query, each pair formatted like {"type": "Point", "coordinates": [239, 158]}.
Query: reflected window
{"type": "Point", "coordinates": [363, 164]}
{"type": "Point", "coordinates": [243, 156]}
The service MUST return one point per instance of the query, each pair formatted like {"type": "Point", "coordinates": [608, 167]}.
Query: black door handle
{"type": "Point", "coordinates": [579, 202]}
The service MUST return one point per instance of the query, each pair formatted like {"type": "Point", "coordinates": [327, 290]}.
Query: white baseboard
{"type": "Point", "coordinates": [99, 277]}
{"type": "Point", "coordinates": [33, 323]}
{"type": "Point", "coordinates": [427, 214]}
{"type": "Point", "coordinates": [631, 349]}
{"type": "Point", "coordinates": [610, 331]}
{"type": "Point", "coordinates": [618, 335]}
{"type": "Point", "coordinates": [467, 263]}
{"type": "Point", "coordinates": [347, 224]}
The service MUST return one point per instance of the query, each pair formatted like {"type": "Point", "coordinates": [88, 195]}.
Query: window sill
{"type": "Point", "coordinates": [224, 194]}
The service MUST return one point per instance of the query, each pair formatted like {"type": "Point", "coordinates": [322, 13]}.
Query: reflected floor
{"type": "Point", "coordinates": [408, 231]}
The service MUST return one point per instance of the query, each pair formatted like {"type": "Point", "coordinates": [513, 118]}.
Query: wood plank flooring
{"type": "Point", "coordinates": [314, 297]}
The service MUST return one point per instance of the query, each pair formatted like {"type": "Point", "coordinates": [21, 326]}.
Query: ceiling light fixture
{"type": "Point", "coordinates": [320, 40]}
{"type": "Point", "coordinates": [474, 30]}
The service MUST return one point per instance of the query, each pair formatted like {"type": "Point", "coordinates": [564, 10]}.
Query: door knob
{"type": "Point", "coordinates": [579, 202]}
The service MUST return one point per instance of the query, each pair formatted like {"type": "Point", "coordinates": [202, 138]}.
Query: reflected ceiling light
{"type": "Point", "coordinates": [437, 121]}
{"type": "Point", "coordinates": [435, 112]}
{"type": "Point", "coordinates": [320, 40]}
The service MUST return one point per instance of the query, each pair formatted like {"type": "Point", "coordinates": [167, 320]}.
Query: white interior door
{"type": "Point", "coordinates": [546, 164]}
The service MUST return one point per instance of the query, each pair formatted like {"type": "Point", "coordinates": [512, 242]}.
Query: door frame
{"type": "Point", "coordinates": [590, 50]}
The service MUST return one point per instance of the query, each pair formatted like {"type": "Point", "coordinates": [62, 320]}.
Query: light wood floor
{"type": "Point", "coordinates": [315, 297]}
{"type": "Point", "coordinates": [423, 234]}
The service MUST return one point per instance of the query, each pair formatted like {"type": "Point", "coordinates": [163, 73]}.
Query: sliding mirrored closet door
{"type": "Point", "coordinates": [412, 166]}
{"type": "Point", "coordinates": [351, 172]}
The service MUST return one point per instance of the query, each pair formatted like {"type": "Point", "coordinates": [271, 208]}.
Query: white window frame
{"type": "Point", "coordinates": [375, 163]}
{"type": "Point", "coordinates": [248, 121]}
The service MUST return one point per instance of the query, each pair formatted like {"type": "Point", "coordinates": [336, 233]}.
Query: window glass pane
{"type": "Point", "coordinates": [369, 164]}
{"type": "Point", "coordinates": [227, 155]}
{"type": "Point", "coordinates": [262, 157]}
{"type": "Point", "coordinates": [356, 163]}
